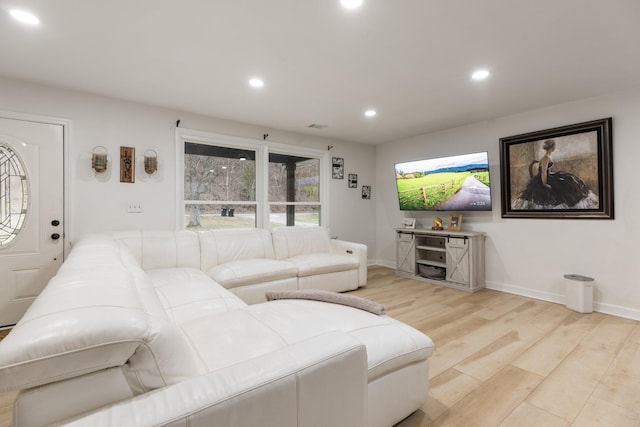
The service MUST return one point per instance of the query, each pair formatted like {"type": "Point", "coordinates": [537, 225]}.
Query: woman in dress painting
{"type": "Point", "coordinates": [554, 190]}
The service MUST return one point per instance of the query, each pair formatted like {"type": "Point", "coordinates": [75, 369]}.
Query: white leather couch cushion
{"type": "Point", "coordinates": [187, 294]}
{"type": "Point", "coordinates": [162, 249]}
{"type": "Point", "coordinates": [238, 336]}
{"type": "Point", "coordinates": [52, 400]}
{"type": "Point", "coordinates": [222, 246]}
{"type": "Point", "coordinates": [322, 263]}
{"type": "Point", "coordinates": [261, 328]}
{"type": "Point", "coordinates": [291, 241]}
{"type": "Point", "coordinates": [390, 344]}
{"type": "Point", "coordinates": [319, 382]}
{"type": "Point", "coordinates": [251, 271]}
{"type": "Point", "coordinates": [244, 257]}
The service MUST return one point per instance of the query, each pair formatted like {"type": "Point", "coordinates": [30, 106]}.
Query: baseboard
{"type": "Point", "coordinates": [616, 310]}
{"type": "Point", "coordinates": [391, 265]}
{"type": "Point", "coordinates": [600, 307]}
{"type": "Point", "coordinates": [526, 292]}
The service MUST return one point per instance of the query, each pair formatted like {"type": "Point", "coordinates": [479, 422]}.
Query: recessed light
{"type": "Point", "coordinates": [256, 82]}
{"type": "Point", "coordinates": [480, 74]}
{"type": "Point", "coordinates": [24, 17]}
{"type": "Point", "coordinates": [370, 113]}
{"type": "Point", "coordinates": [351, 4]}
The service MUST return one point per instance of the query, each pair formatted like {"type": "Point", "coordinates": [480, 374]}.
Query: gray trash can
{"type": "Point", "coordinates": [579, 293]}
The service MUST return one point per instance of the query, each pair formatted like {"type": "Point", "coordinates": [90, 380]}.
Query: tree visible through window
{"type": "Point", "coordinates": [219, 187]}
{"type": "Point", "coordinates": [222, 187]}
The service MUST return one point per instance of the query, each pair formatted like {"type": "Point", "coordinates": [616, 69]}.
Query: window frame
{"type": "Point", "coordinates": [262, 150]}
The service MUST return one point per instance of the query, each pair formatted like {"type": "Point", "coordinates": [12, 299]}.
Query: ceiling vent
{"type": "Point", "coordinates": [317, 126]}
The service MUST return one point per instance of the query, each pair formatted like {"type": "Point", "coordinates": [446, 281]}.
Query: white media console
{"type": "Point", "coordinates": [449, 258]}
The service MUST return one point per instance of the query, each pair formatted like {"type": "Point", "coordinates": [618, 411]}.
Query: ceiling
{"type": "Point", "coordinates": [410, 60]}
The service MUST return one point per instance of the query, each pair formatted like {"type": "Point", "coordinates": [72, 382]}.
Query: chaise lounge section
{"type": "Point", "coordinates": [133, 330]}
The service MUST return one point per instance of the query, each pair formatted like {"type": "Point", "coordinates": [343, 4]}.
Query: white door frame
{"type": "Point", "coordinates": [66, 124]}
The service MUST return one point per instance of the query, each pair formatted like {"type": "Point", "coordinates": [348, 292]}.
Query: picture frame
{"type": "Point", "coordinates": [353, 180]}
{"type": "Point", "coordinates": [337, 167]}
{"type": "Point", "coordinates": [127, 164]}
{"type": "Point", "coordinates": [455, 222]}
{"type": "Point", "coordinates": [559, 173]}
{"type": "Point", "coordinates": [366, 192]}
{"type": "Point", "coordinates": [408, 223]}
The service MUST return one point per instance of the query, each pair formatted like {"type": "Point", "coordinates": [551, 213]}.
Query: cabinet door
{"type": "Point", "coordinates": [458, 260]}
{"type": "Point", "coordinates": [406, 253]}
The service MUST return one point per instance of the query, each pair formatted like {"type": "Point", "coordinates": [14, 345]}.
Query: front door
{"type": "Point", "coordinates": [31, 212]}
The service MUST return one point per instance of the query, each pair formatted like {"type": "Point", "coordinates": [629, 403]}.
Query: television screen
{"type": "Point", "coordinates": [453, 183]}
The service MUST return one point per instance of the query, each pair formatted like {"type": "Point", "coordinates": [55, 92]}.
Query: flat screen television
{"type": "Point", "coordinates": [452, 183]}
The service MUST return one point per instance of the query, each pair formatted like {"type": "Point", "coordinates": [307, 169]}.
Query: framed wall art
{"type": "Point", "coordinates": [455, 222]}
{"type": "Point", "coordinates": [353, 180]}
{"type": "Point", "coordinates": [408, 223]}
{"type": "Point", "coordinates": [564, 172]}
{"type": "Point", "coordinates": [366, 191]}
{"type": "Point", "coordinates": [337, 167]}
{"type": "Point", "coordinates": [127, 164]}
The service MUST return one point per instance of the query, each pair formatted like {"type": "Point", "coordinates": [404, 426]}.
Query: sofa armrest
{"type": "Point", "coordinates": [356, 249]}
{"type": "Point", "coordinates": [319, 381]}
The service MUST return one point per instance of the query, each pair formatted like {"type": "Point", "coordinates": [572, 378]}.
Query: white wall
{"type": "Point", "coordinates": [530, 256]}
{"type": "Point", "coordinates": [97, 203]}
{"type": "Point", "coordinates": [523, 256]}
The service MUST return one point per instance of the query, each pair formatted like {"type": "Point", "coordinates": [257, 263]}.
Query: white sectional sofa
{"type": "Point", "coordinates": [134, 330]}
{"type": "Point", "coordinates": [250, 261]}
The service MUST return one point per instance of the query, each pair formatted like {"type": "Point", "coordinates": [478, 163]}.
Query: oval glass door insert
{"type": "Point", "coordinates": [14, 195]}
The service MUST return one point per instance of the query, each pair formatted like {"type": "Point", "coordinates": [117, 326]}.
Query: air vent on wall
{"type": "Point", "coordinates": [317, 126]}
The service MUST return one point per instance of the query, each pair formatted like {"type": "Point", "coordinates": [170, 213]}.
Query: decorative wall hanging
{"type": "Point", "coordinates": [99, 160]}
{"type": "Point", "coordinates": [127, 164]}
{"type": "Point", "coordinates": [564, 172]}
{"type": "Point", "coordinates": [366, 191]}
{"type": "Point", "coordinates": [337, 171]}
{"type": "Point", "coordinates": [353, 180]}
{"type": "Point", "coordinates": [150, 162]}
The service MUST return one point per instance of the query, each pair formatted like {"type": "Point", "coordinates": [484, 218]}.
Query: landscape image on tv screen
{"type": "Point", "coordinates": [454, 183]}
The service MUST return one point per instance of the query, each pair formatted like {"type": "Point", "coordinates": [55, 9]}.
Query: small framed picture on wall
{"type": "Point", "coordinates": [366, 191]}
{"type": "Point", "coordinates": [337, 168]}
{"type": "Point", "coordinates": [353, 180]}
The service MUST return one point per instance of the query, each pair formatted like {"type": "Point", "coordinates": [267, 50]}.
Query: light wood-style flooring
{"type": "Point", "coordinates": [506, 360]}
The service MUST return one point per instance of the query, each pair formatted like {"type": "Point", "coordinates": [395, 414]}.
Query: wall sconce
{"type": "Point", "coordinates": [150, 162]}
{"type": "Point", "coordinates": [99, 159]}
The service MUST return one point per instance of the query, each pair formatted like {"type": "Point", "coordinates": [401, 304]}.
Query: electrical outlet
{"type": "Point", "coordinates": [134, 207]}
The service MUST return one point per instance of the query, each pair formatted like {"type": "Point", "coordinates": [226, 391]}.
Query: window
{"type": "Point", "coordinates": [229, 182]}
{"type": "Point", "coordinates": [14, 195]}
{"type": "Point", "coordinates": [294, 190]}
{"type": "Point", "coordinates": [219, 187]}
